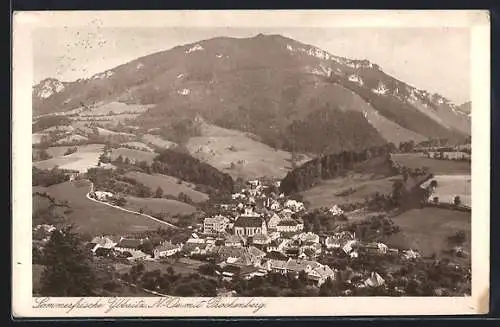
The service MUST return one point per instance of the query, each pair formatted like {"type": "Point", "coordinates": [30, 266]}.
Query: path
{"type": "Point", "coordinates": [126, 210]}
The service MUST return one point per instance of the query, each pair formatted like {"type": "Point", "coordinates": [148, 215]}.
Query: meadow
{"type": "Point", "coordinates": [86, 156]}
{"type": "Point", "coordinates": [157, 205]}
{"type": "Point", "coordinates": [436, 166]}
{"type": "Point", "coordinates": [428, 229]}
{"type": "Point", "coordinates": [133, 155]}
{"type": "Point", "coordinates": [95, 218]}
{"type": "Point", "coordinates": [450, 186]}
{"type": "Point", "coordinates": [170, 185]}
{"type": "Point", "coordinates": [238, 153]}
{"type": "Point", "coordinates": [352, 188]}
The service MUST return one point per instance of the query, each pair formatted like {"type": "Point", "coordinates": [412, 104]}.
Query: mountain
{"type": "Point", "coordinates": [290, 95]}
{"type": "Point", "coordinates": [46, 88]}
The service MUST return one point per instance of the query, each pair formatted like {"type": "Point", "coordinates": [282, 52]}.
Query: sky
{"type": "Point", "coordinates": [430, 58]}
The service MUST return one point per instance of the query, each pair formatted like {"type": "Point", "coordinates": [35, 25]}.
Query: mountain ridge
{"type": "Point", "coordinates": [263, 85]}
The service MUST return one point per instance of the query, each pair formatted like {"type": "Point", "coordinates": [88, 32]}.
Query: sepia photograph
{"type": "Point", "coordinates": [194, 163]}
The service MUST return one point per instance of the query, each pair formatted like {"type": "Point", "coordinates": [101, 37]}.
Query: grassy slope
{"type": "Point", "coordinates": [95, 218]}
{"type": "Point", "coordinates": [427, 229]}
{"type": "Point", "coordinates": [169, 185]}
{"type": "Point", "coordinates": [133, 155]}
{"type": "Point", "coordinates": [85, 157]}
{"type": "Point", "coordinates": [155, 205]}
{"type": "Point", "coordinates": [220, 147]}
{"type": "Point", "coordinates": [324, 194]}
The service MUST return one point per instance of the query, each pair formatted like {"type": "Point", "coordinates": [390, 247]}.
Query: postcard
{"type": "Point", "coordinates": [250, 163]}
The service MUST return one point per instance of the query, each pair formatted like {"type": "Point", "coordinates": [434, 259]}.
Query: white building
{"type": "Point", "coordinates": [214, 225]}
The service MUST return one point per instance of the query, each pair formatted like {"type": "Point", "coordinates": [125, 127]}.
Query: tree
{"type": "Point", "coordinates": [68, 269]}
{"type": "Point", "coordinates": [159, 192]}
{"type": "Point", "coordinates": [433, 183]}
{"type": "Point", "coordinates": [457, 201]}
{"type": "Point", "coordinates": [435, 200]}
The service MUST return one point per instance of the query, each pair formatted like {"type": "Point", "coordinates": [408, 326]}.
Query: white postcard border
{"type": "Point", "coordinates": [24, 305]}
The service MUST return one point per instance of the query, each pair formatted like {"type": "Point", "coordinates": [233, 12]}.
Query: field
{"type": "Point", "coordinates": [428, 229]}
{"type": "Point", "coordinates": [133, 155]}
{"type": "Point", "coordinates": [87, 156]}
{"type": "Point", "coordinates": [437, 167]}
{"type": "Point", "coordinates": [168, 184]}
{"type": "Point", "coordinates": [237, 154]}
{"type": "Point", "coordinates": [450, 186]}
{"type": "Point", "coordinates": [96, 218]}
{"type": "Point", "coordinates": [327, 193]}
{"type": "Point", "coordinates": [154, 205]}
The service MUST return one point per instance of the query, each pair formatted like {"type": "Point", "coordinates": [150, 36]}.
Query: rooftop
{"type": "Point", "coordinates": [248, 221]}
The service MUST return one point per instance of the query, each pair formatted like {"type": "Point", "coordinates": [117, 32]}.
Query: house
{"type": "Point", "coordinates": [273, 222]}
{"type": "Point", "coordinates": [376, 248]}
{"type": "Point", "coordinates": [190, 248]}
{"type": "Point", "coordinates": [308, 237]}
{"type": "Point", "coordinates": [102, 195]}
{"type": "Point", "coordinates": [275, 246]}
{"type": "Point", "coordinates": [234, 240]}
{"type": "Point", "coordinates": [250, 256]}
{"type": "Point", "coordinates": [320, 274]}
{"type": "Point", "coordinates": [312, 249]}
{"type": "Point", "coordinates": [315, 271]}
{"type": "Point", "coordinates": [410, 254]}
{"type": "Point", "coordinates": [261, 239]}
{"type": "Point", "coordinates": [249, 224]}
{"type": "Point", "coordinates": [129, 244]}
{"type": "Point", "coordinates": [350, 246]}
{"type": "Point", "coordinates": [288, 225]}
{"type": "Point", "coordinates": [166, 249]}
{"type": "Point", "coordinates": [293, 205]}
{"type": "Point", "coordinates": [231, 271]}
{"type": "Point", "coordinates": [214, 225]}
{"type": "Point", "coordinates": [336, 210]}
{"type": "Point", "coordinates": [102, 242]}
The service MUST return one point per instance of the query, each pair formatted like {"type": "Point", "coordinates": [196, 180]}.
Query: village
{"type": "Point", "coordinates": [257, 234]}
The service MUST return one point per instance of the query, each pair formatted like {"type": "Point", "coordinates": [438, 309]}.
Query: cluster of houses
{"type": "Point", "coordinates": [265, 234]}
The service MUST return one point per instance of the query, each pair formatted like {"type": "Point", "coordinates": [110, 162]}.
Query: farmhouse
{"type": "Point", "coordinates": [338, 240]}
{"type": "Point", "coordinates": [102, 242]}
{"type": "Point", "coordinates": [165, 250]}
{"type": "Point", "coordinates": [129, 244]}
{"type": "Point", "coordinates": [102, 195]}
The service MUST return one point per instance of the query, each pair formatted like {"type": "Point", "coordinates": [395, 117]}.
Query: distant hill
{"type": "Point", "coordinates": [291, 96]}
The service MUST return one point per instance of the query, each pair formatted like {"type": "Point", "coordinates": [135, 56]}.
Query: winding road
{"type": "Point", "coordinates": [126, 210]}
